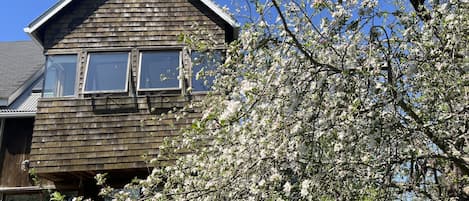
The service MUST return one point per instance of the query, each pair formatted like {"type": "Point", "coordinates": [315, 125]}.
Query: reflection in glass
{"type": "Point", "coordinates": [159, 70]}
{"type": "Point", "coordinates": [107, 72]}
{"type": "Point", "coordinates": [203, 69]}
{"type": "Point", "coordinates": [60, 76]}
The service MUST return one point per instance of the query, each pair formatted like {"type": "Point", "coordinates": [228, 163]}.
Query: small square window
{"type": "Point", "coordinates": [159, 70]}
{"type": "Point", "coordinates": [60, 79]}
{"type": "Point", "coordinates": [107, 72]}
{"type": "Point", "coordinates": [204, 65]}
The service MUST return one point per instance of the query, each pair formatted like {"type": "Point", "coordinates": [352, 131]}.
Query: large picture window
{"type": "Point", "coordinates": [107, 72]}
{"type": "Point", "coordinates": [60, 76]}
{"type": "Point", "coordinates": [159, 70]}
{"type": "Point", "coordinates": [203, 69]}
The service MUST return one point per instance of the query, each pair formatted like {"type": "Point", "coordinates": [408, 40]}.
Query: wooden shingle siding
{"type": "Point", "coordinates": [87, 135]}
{"type": "Point", "coordinates": [70, 136]}
{"type": "Point", "coordinates": [129, 23]}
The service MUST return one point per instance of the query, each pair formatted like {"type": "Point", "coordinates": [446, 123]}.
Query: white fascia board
{"type": "Point", "coordinates": [17, 114]}
{"type": "Point", "coordinates": [220, 12]}
{"type": "Point", "coordinates": [51, 12]}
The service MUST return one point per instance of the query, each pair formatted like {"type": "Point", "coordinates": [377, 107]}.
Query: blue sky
{"type": "Point", "coordinates": [17, 14]}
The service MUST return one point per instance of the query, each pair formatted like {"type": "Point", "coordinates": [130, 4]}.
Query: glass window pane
{"type": "Point", "coordinates": [60, 76]}
{"type": "Point", "coordinates": [203, 69]}
{"type": "Point", "coordinates": [107, 72]}
{"type": "Point", "coordinates": [159, 69]}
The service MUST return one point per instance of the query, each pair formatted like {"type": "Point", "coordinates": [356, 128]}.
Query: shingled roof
{"type": "Point", "coordinates": [21, 64]}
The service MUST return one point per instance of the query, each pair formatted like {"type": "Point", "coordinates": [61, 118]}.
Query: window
{"type": "Point", "coordinates": [159, 70]}
{"type": "Point", "coordinates": [60, 76]}
{"type": "Point", "coordinates": [107, 72]}
{"type": "Point", "coordinates": [203, 69]}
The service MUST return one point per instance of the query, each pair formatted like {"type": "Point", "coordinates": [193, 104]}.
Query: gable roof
{"type": "Point", "coordinates": [32, 28]}
{"type": "Point", "coordinates": [21, 64]}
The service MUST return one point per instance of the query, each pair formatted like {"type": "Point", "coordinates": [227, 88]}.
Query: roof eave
{"type": "Point", "coordinates": [221, 13]}
{"type": "Point", "coordinates": [42, 19]}
{"type": "Point", "coordinates": [33, 35]}
{"type": "Point", "coordinates": [52, 11]}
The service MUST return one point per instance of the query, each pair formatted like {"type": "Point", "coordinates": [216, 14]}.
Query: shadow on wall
{"type": "Point", "coordinates": [15, 149]}
{"type": "Point", "coordinates": [63, 24]}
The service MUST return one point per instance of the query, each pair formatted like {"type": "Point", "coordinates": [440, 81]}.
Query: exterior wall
{"type": "Point", "coordinates": [15, 182]}
{"type": "Point", "coordinates": [70, 136]}
{"type": "Point", "coordinates": [16, 147]}
{"type": "Point", "coordinates": [128, 23]}
{"type": "Point", "coordinates": [86, 134]}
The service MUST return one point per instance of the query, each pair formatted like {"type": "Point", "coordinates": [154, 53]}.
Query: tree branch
{"type": "Point", "coordinates": [458, 161]}
{"type": "Point", "coordinates": [420, 9]}
{"type": "Point", "coordinates": [298, 44]}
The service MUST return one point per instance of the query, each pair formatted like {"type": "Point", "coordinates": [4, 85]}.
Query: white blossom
{"type": "Point", "coordinates": [305, 185]}
{"type": "Point", "coordinates": [348, 101]}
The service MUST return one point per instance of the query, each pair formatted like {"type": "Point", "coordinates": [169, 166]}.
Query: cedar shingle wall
{"type": "Point", "coordinates": [69, 136]}
{"type": "Point", "coordinates": [128, 23]}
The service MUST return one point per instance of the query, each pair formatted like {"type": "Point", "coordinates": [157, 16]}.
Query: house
{"type": "Point", "coordinates": [21, 74]}
{"type": "Point", "coordinates": [112, 68]}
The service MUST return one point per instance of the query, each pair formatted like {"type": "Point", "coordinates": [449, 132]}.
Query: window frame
{"type": "Point", "coordinates": [180, 70]}
{"type": "Point", "coordinates": [77, 76]}
{"type": "Point", "coordinates": [88, 56]}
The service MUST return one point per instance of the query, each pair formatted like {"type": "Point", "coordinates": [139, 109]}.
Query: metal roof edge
{"type": "Point", "coordinates": [221, 13]}
{"type": "Point", "coordinates": [51, 12]}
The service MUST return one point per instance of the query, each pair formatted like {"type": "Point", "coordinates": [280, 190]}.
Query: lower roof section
{"type": "Point", "coordinates": [26, 104]}
{"type": "Point", "coordinates": [23, 107]}
{"type": "Point", "coordinates": [21, 64]}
